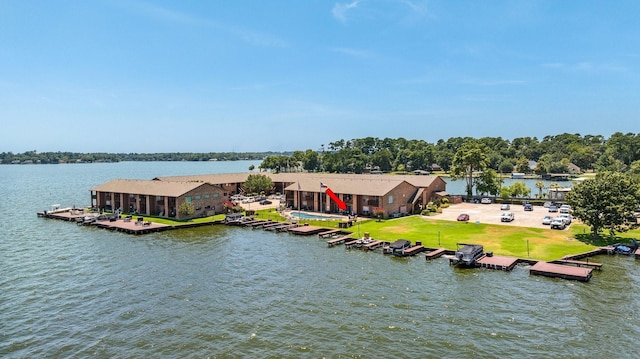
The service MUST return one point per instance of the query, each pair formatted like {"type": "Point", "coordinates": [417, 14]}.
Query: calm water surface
{"type": "Point", "coordinates": [226, 292]}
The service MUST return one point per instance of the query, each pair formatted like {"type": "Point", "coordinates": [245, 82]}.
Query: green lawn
{"type": "Point", "coordinates": [522, 242]}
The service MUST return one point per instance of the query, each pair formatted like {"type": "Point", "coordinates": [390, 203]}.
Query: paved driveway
{"type": "Point", "coordinates": [490, 213]}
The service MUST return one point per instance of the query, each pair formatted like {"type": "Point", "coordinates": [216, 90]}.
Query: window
{"type": "Point", "coordinates": [390, 199]}
{"type": "Point", "coordinates": [187, 199]}
{"type": "Point", "coordinates": [197, 197]}
{"type": "Point", "coordinates": [207, 195]}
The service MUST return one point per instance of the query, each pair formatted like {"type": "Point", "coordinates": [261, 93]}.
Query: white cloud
{"type": "Point", "coordinates": [340, 10]}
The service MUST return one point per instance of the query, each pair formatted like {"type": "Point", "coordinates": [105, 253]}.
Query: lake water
{"type": "Point", "coordinates": [226, 292]}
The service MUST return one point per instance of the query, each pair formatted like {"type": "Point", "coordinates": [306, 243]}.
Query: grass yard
{"type": "Point", "coordinates": [522, 242]}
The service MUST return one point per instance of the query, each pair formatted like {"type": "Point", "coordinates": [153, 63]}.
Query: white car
{"type": "Point", "coordinates": [507, 217]}
{"type": "Point", "coordinates": [558, 223]}
{"type": "Point", "coordinates": [566, 218]}
{"type": "Point", "coordinates": [565, 208]}
{"type": "Point", "coordinates": [547, 220]}
{"type": "Point", "coordinates": [485, 200]}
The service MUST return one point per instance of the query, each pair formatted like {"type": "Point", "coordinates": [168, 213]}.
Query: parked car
{"type": "Point", "coordinates": [566, 218]}
{"type": "Point", "coordinates": [248, 200]}
{"type": "Point", "coordinates": [463, 217]}
{"type": "Point", "coordinates": [558, 223]}
{"type": "Point", "coordinates": [505, 207]}
{"type": "Point", "coordinates": [265, 201]}
{"type": "Point", "coordinates": [528, 207]}
{"type": "Point", "coordinates": [507, 217]}
{"type": "Point", "coordinates": [565, 208]}
{"type": "Point", "coordinates": [485, 200]}
{"type": "Point", "coordinates": [547, 204]}
{"type": "Point", "coordinates": [553, 209]}
{"type": "Point", "coordinates": [547, 220]}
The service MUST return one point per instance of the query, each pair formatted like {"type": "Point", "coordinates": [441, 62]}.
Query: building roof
{"type": "Point", "coordinates": [361, 184]}
{"type": "Point", "coordinates": [147, 187]}
{"type": "Point", "coordinates": [357, 186]}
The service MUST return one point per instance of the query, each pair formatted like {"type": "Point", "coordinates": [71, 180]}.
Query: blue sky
{"type": "Point", "coordinates": [209, 76]}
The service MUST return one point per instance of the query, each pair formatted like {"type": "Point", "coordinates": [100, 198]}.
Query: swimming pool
{"type": "Point", "coordinates": [303, 215]}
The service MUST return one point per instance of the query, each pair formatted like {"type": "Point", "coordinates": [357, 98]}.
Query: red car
{"type": "Point", "coordinates": [463, 217]}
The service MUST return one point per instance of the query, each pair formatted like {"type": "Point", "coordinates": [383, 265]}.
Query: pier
{"type": "Point", "coordinates": [339, 240]}
{"type": "Point", "coordinates": [117, 223]}
{"type": "Point", "coordinates": [373, 245]}
{"type": "Point", "coordinates": [497, 262]}
{"type": "Point", "coordinates": [593, 265]}
{"type": "Point", "coordinates": [434, 253]}
{"type": "Point", "coordinates": [561, 271]}
{"type": "Point", "coordinates": [307, 230]}
{"type": "Point", "coordinates": [412, 251]}
{"type": "Point", "coordinates": [574, 267]}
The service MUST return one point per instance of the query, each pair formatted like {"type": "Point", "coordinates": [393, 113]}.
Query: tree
{"type": "Point", "coordinates": [311, 160]}
{"type": "Point", "coordinates": [258, 183]}
{"type": "Point", "coordinates": [488, 182]}
{"type": "Point", "coordinates": [540, 186]}
{"type": "Point", "coordinates": [522, 165]}
{"type": "Point", "coordinates": [519, 189]}
{"type": "Point", "coordinates": [607, 201]}
{"type": "Point", "coordinates": [505, 166]}
{"type": "Point", "coordinates": [186, 209]}
{"type": "Point", "coordinates": [470, 157]}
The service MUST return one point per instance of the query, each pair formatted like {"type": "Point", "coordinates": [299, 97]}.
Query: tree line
{"type": "Point", "coordinates": [530, 155]}
{"type": "Point", "coordinates": [75, 157]}
{"type": "Point", "coordinates": [609, 201]}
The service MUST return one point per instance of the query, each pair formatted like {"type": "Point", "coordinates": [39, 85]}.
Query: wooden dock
{"type": "Point", "coordinates": [373, 245]}
{"type": "Point", "coordinates": [273, 225]}
{"type": "Point", "coordinates": [307, 230]}
{"type": "Point", "coordinates": [349, 244]}
{"type": "Point", "coordinates": [412, 251]}
{"type": "Point", "coordinates": [256, 223]}
{"type": "Point", "coordinates": [287, 227]}
{"type": "Point", "coordinates": [332, 233]}
{"type": "Point", "coordinates": [561, 271]}
{"type": "Point", "coordinates": [595, 252]}
{"type": "Point", "coordinates": [436, 253]}
{"type": "Point", "coordinates": [339, 240]}
{"type": "Point", "coordinates": [497, 262]}
{"type": "Point", "coordinates": [593, 265]}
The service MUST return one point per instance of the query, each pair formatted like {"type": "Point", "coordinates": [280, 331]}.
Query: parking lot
{"type": "Point", "coordinates": [490, 213]}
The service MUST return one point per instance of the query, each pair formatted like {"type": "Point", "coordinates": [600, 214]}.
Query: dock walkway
{"type": "Point", "coordinates": [594, 265]}
{"type": "Point", "coordinates": [307, 230]}
{"type": "Point", "coordinates": [561, 271]}
{"type": "Point", "coordinates": [411, 251]}
{"type": "Point", "coordinates": [373, 245]}
{"type": "Point", "coordinates": [497, 262]}
{"type": "Point", "coordinates": [339, 240]}
{"type": "Point", "coordinates": [437, 253]}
